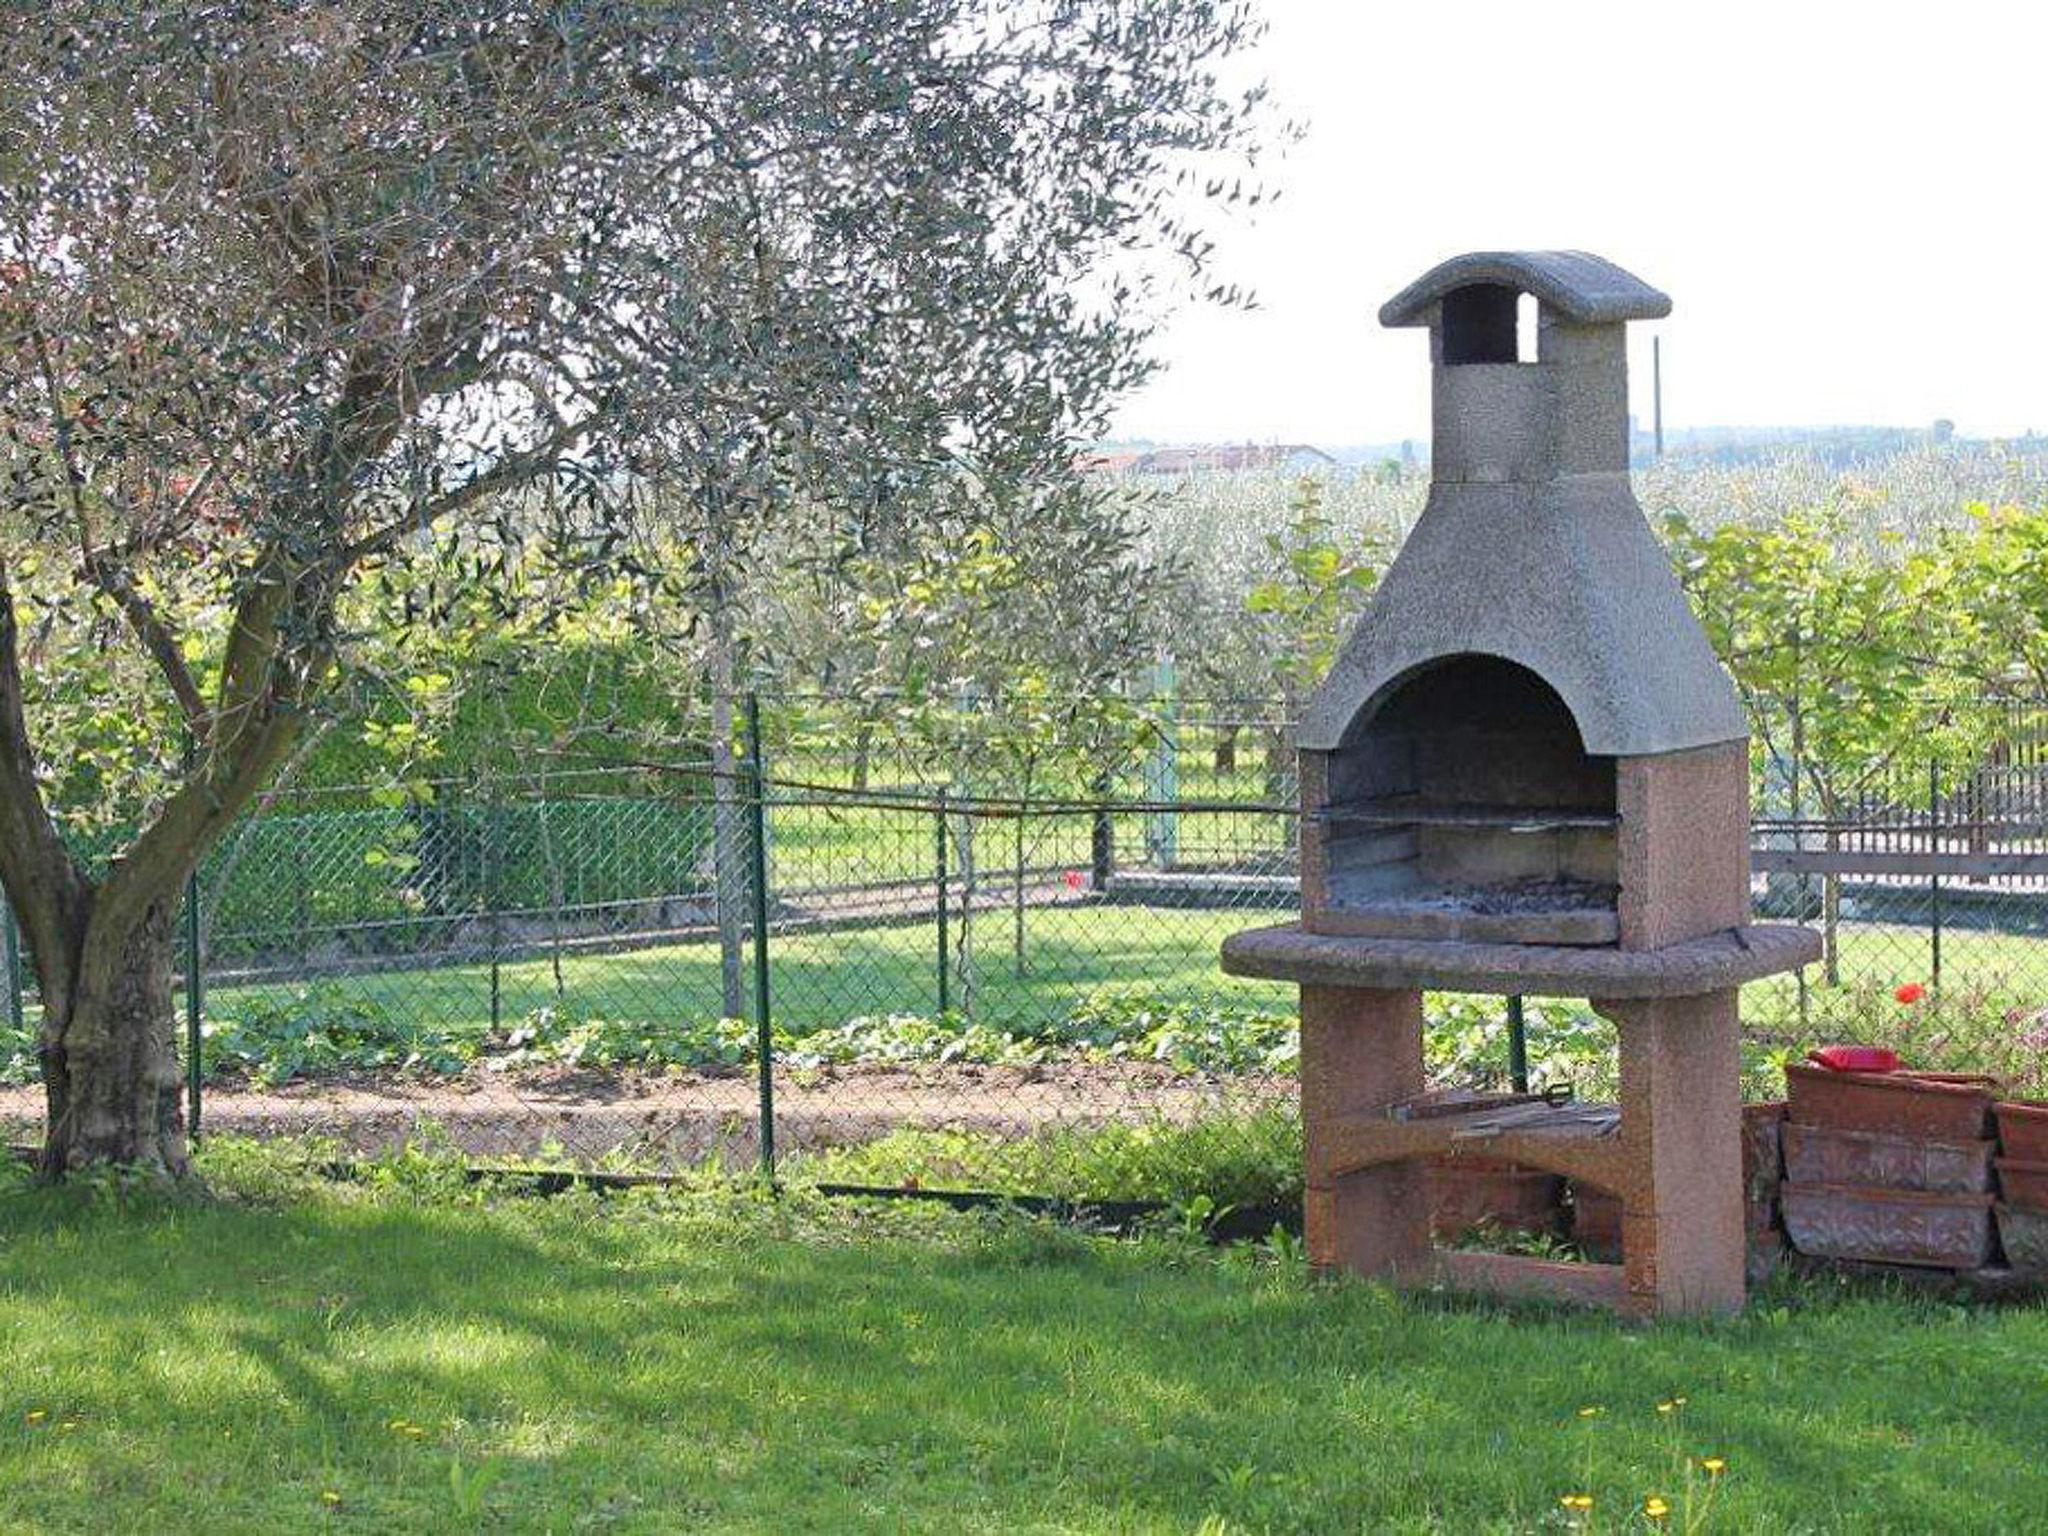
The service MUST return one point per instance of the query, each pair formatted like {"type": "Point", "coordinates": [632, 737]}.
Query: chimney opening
{"type": "Point", "coordinates": [1479, 324]}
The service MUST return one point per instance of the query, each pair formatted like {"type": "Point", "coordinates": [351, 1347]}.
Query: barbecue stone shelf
{"type": "Point", "coordinates": [1286, 952]}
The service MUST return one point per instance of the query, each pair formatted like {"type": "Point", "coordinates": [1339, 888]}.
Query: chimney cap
{"type": "Point", "coordinates": [1582, 287]}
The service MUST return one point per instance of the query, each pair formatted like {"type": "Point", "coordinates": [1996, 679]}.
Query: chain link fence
{"type": "Point", "coordinates": [964, 948]}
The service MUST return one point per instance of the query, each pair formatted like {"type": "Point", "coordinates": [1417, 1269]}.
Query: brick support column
{"type": "Point", "coordinates": [1361, 1051]}
{"type": "Point", "coordinates": [1681, 1119]}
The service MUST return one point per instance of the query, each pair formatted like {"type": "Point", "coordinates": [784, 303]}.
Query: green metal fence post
{"type": "Point", "coordinates": [493, 856]}
{"type": "Point", "coordinates": [1162, 771]}
{"type": "Point", "coordinates": [945, 888]}
{"type": "Point", "coordinates": [1518, 1046]}
{"type": "Point", "coordinates": [1934, 881]}
{"type": "Point", "coordinates": [10, 959]}
{"type": "Point", "coordinates": [195, 1007]}
{"type": "Point", "coordinates": [764, 1017]}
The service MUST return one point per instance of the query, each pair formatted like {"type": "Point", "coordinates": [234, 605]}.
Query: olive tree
{"type": "Point", "coordinates": [291, 290]}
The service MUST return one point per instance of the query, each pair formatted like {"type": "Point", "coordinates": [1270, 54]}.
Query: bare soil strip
{"type": "Point", "coordinates": [675, 1119]}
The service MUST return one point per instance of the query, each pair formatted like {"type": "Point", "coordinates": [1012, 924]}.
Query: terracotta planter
{"type": "Point", "coordinates": [2023, 1130]}
{"type": "Point", "coordinates": [2024, 1184]}
{"type": "Point", "coordinates": [2024, 1236]}
{"type": "Point", "coordinates": [1817, 1155]}
{"type": "Point", "coordinates": [1939, 1106]}
{"type": "Point", "coordinates": [1889, 1226]}
{"type": "Point", "coordinates": [1468, 1192]}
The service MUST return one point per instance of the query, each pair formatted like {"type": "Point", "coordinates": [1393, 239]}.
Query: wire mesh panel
{"type": "Point", "coordinates": [990, 935]}
{"type": "Point", "coordinates": [515, 972]}
{"type": "Point", "coordinates": [20, 1013]}
{"type": "Point", "coordinates": [1022, 986]}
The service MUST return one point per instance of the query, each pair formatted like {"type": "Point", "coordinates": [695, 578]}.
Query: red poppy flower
{"type": "Point", "coordinates": [1911, 992]}
{"type": "Point", "coordinates": [1076, 881]}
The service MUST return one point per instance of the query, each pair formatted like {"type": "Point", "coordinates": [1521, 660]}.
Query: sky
{"type": "Point", "coordinates": [1848, 205]}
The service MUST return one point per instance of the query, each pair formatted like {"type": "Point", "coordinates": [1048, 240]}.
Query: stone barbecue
{"type": "Point", "coordinates": [1527, 774]}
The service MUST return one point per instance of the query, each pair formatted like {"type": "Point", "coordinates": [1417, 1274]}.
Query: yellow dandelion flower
{"type": "Point", "coordinates": [329, 1496]}
{"type": "Point", "coordinates": [1669, 1406]}
{"type": "Point", "coordinates": [1577, 1501]}
{"type": "Point", "coordinates": [1655, 1507]}
{"type": "Point", "coordinates": [1715, 1465]}
{"type": "Point", "coordinates": [37, 1415]}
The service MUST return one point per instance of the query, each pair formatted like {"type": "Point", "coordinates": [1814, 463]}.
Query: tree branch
{"type": "Point", "coordinates": [43, 884]}
{"type": "Point", "coordinates": [157, 639]}
{"type": "Point", "coordinates": [510, 471]}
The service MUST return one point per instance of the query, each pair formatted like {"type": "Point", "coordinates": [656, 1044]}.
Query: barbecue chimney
{"type": "Point", "coordinates": [1527, 737]}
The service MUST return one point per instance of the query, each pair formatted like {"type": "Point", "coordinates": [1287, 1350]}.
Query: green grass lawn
{"type": "Point", "coordinates": [823, 977]}
{"type": "Point", "coordinates": [399, 1359]}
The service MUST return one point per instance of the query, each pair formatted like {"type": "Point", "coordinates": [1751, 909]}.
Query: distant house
{"type": "Point", "coordinates": [1226, 457]}
{"type": "Point", "coordinates": [1119, 462]}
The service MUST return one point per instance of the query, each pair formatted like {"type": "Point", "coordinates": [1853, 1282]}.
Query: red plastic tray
{"type": "Point", "coordinates": [1855, 1058]}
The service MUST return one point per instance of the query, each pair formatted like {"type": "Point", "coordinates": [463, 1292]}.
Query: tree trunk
{"type": "Point", "coordinates": [109, 1053]}
{"type": "Point", "coordinates": [863, 747]}
{"type": "Point", "coordinates": [1225, 761]}
{"type": "Point", "coordinates": [1280, 760]}
{"type": "Point", "coordinates": [103, 953]}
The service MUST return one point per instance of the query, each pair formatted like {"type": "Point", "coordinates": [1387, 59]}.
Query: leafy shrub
{"type": "Point", "coordinates": [1465, 1041]}
{"type": "Point", "coordinates": [316, 1031]}
{"type": "Point", "coordinates": [907, 1039]}
{"type": "Point", "coordinates": [1977, 1027]}
{"type": "Point", "coordinates": [545, 1038]}
{"type": "Point", "coordinates": [17, 1055]}
{"type": "Point", "coordinates": [1205, 1036]}
{"type": "Point", "coordinates": [1237, 1157]}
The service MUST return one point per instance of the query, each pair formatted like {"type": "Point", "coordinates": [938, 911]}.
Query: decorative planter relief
{"type": "Point", "coordinates": [2024, 1236]}
{"type": "Point", "coordinates": [1889, 1226]}
{"type": "Point", "coordinates": [1818, 1155]}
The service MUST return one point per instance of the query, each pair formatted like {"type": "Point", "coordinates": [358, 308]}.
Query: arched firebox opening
{"type": "Point", "coordinates": [1463, 804]}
